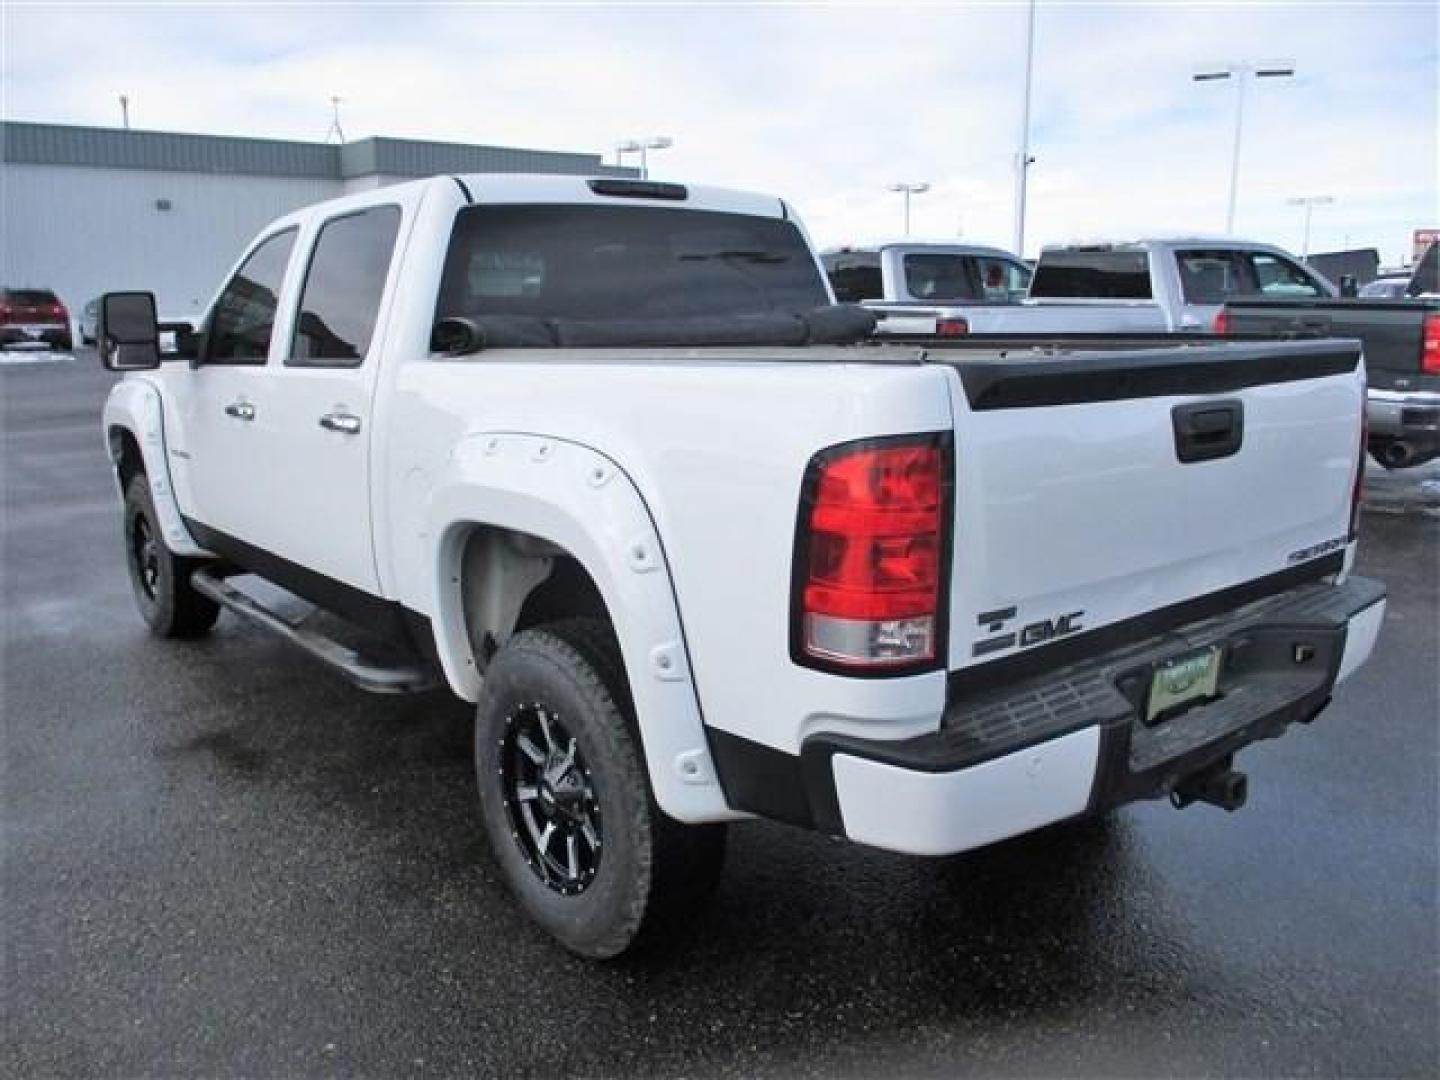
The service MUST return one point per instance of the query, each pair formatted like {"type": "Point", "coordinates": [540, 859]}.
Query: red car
{"type": "Point", "coordinates": [36, 315]}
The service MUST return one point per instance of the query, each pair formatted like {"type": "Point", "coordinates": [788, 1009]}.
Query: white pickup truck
{"type": "Point", "coordinates": [596, 455]}
{"type": "Point", "coordinates": [1140, 286]}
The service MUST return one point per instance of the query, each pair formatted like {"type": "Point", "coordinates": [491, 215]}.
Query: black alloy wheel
{"type": "Point", "coordinates": [550, 799]}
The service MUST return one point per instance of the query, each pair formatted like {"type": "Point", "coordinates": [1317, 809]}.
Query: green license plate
{"type": "Point", "coordinates": [1183, 679]}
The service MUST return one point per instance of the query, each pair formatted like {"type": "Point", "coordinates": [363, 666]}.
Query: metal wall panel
{"type": "Point", "coordinates": [84, 231]}
{"type": "Point", "coordinates": [116, 148]}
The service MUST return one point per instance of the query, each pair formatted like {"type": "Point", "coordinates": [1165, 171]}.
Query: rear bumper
{"type": "Point", "coordinates": [1413, 415]}
{"type": "Point", "coordinates": [46, 333]}
{"type": "Point", "coordinates": [1074, 740]}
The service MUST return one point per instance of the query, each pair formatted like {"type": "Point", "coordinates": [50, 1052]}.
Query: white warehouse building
{"type": "Point", "coordinates": [87, 210]}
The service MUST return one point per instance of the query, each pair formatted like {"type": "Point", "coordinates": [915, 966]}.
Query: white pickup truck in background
{"type": "Point", "coordinates": [926, 287]}
{"type": "Point", "coordinates": [1142, 286]}
{"type": "Point", "coordinates": [602, 457]}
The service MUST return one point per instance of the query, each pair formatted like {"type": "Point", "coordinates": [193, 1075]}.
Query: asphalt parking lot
{"type": "Point", "coordinates": [220, 859]}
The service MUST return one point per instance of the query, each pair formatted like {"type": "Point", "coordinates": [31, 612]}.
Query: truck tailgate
{"type": "Point", "coordinates": [1095, 489]}
{"type": "Point", "coordinates": [1391, 332]}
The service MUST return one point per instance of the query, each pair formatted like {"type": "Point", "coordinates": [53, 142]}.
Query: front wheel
{"type": "Point", "coordinates": [565, 799]}
{"type": "Point", "coordinates": [169, 604]}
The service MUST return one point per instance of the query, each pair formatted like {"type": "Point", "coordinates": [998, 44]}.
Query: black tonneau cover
{"type": "Point", "coordinates": [838, 324]}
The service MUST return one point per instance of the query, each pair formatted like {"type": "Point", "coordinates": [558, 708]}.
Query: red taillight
{"type": "Point", "coordinates": [1222, 322]}
{"type": "Point", "coordinates": [870, 557]}
{"type": "Point", "coordinates": [1430, 348]}
{"type": "Point", "coordinates": [956, 327]}
{"type": "Point", "coordinates": [57, 310]}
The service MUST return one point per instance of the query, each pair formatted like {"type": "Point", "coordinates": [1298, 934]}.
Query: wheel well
{"type": "Point", "coordinates": [125, 453]}
{"type": "Point", "coordinates": [511, 581]}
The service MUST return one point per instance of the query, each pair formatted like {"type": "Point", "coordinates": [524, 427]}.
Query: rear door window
{"type": "Point", "coordinates": [1210, 277]}
{"type": "Point", "coordinates": [244, 316]}
{"type": "Point", "coordinates": [343, 288]}
{"type": "Point", "coordinates": [1092, 275]}
{"type": "Point", "coordinates": [1002, 280]}
{"type": "Point", "coordinates": [940, 277]}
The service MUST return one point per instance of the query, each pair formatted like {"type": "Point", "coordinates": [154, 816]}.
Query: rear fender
{"type": "Point", "coordinates": [578, 500]}
{"type": "Point", "coordinates": [134, 408]}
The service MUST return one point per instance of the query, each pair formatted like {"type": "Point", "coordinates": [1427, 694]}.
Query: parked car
{"type": "Point", "coordinates": [89, 315]}
{"type": "Point", "coordinates": [1401, 339]}
{"type": "Point", "coordinates": [29, 316]}
{"type": "Point", "coordinates": [602, 457]}
{"type": "Point", "coordinates": [925, 286]}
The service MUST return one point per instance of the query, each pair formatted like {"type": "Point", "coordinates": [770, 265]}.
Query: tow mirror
{"type": "Point", "coordinates": [126, 333]}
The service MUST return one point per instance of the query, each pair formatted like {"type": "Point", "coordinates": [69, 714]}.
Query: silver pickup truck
{"type": "Point", "coordinates": [1141, 286]}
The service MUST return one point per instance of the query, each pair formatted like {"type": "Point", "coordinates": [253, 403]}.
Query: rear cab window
{"type": "Point", "coordinates": [854, 275]}
{"type": "Point", "coordinates": [1074, 274]}
{"type": "Point", "coordinates": [587, 262]}
{"type": "Point", "coordinates": [30, 297]}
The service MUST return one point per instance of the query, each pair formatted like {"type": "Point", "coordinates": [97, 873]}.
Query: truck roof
{"type": "Point", "coordinates": [954, 247]}
{"type": "Point", "coordinates": [1144, 243]}
{"type": "Point", "coordinates": [552, 188]}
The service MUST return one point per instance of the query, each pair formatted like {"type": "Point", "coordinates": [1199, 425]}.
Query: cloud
{"type": "Point", "coordinates": [823, 105]}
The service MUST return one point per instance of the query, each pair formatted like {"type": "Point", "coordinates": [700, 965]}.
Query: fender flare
{"type": "Point", "coordinates": [577, 499]}
{"type": "Point", "coordinates": [134, 407]}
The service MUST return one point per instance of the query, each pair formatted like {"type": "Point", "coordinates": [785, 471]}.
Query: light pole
{"type": "Point", "coordinates": [1309, 202]}
{"type": "Point", "coordinates": [639, 146]}
{"type": "Point", "coordinates": [1023, 160]}
{"type": "Point", "coordinates": [907, 190]}
{"type": "Point", "coordinates": [1239, 72]}
{"type": "Point", "coordinates": [629, 146]}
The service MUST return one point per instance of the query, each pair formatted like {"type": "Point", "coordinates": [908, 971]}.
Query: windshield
{"type": "Point", "coordinates": [624, 262]}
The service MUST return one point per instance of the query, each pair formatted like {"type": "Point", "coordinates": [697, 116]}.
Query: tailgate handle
{"type": "Point", "coordinates": [1208, 430]}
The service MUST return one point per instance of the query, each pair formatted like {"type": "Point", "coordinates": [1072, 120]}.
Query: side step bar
{"type": "Point", "coordinates": [407, 677]}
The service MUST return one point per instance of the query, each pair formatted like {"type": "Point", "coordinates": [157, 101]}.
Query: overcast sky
{"type": "Point", "coordinates": [825, 104]}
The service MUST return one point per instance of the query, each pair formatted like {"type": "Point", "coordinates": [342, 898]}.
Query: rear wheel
{"type": "Point", "coordinates": [565, 799]}
{"type": "Point", "coordinates": [160, 579]}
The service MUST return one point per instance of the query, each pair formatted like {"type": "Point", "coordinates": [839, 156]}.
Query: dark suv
{"type": "Point", "coordinates": [36, 315]}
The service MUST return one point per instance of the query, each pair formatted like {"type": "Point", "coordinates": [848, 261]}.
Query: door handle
{"type": "Point", "coordinates": [345, 423]}
{"type": "Point", "coordinates": [240, 410]}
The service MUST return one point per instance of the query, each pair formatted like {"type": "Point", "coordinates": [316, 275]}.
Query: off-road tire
{"type": "Point", "coordinates": [160, 579]}
{"type": "Point", "coordinates": [650, 867]}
